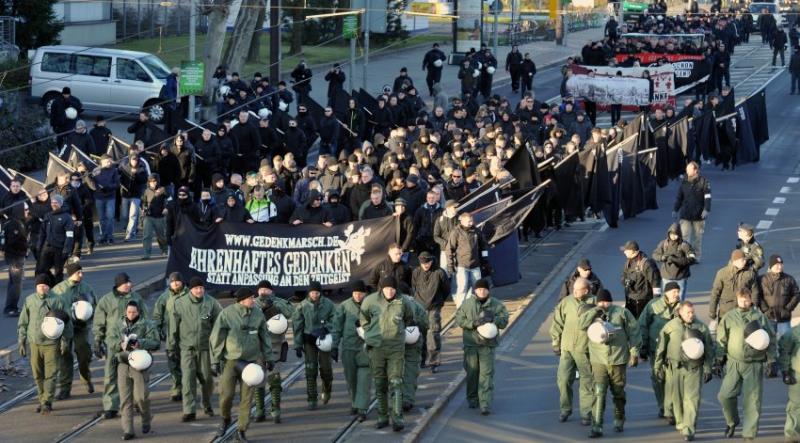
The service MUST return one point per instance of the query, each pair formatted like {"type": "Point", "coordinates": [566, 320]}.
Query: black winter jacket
{"type": "Point", "coordinates": [779, 296]}
{"type": "Point", "coordinates": [430, 288]}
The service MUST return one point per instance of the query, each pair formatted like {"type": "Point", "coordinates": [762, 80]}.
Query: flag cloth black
{"type": "Point", "coordinates": [478, 191]}
{"type": "Point", "coordinates": [647, 165]}
{"type": "Point", "coordinates": [633, 126]}
{"type": "Point", "coordinates": [631, 198]}
{"type": "Point", "coordinates": [77, 156]}
{"type": "Point", "coordinates": [678, 144]}
{"type": "Point", "coordinates": [486, 212]}
{"type": "Point", "coordinates": [757, 111]}
{"type": "Point", "coordinates": [506, 222]}
{"type": "Point", "coordinates": [660, 140]}
{"type": "Point", "coordinates": [366, 100]}
{"type": "Point", "coordinates": [611, 210]}
{"type": "Point", "coordinates": [705, 127]}
{"type": "Point", "coordinates": [31, 186]}
{"type": "Point", "coordinates": [231, 255]}
{"type": "Point", "coordinates": [747, 151]}
{"type": "Point", "coordinates": [56, 167]}
{"type": "Point", "coordinates": [523, 169]}
{"type": "Point", "coordinates": [340, 104]}
{"type": "Point", "coordinates": [488, 196]}
{"type": "Point", "coordinates": [596, 185]}
{"type": "Point", "coordinates": [117, 149]}
{"type": "Point", "coordinates": [316, 110]}
{"type": "Point", "coordinates": [569, 186]}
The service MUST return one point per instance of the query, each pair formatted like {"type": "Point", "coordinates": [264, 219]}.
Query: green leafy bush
{"type": "Point", "coordinates": [25, 136]}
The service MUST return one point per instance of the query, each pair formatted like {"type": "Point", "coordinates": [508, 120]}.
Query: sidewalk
{"type": "Point", "coordinates": [383, 68]}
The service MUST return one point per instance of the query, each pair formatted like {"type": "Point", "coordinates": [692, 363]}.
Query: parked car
{"type": "Point", "coordinates": [108, 80]}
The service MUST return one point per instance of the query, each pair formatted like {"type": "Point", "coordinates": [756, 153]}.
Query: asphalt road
{"type": "Point", "coordinates": [526, 399]}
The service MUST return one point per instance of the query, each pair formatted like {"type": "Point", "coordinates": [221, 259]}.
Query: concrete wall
{"type": "Point", "coordinates": [89, 33]}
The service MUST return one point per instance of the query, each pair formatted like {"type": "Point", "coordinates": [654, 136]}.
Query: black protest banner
{"type": "Point", "coordinates": [232, 255]}
{"type": "Point", "coordinates": [506, 221]}
{"type": "Point", "coordinates": [689, 72]}
{"type": "Point", "coordinates": [56, 167]}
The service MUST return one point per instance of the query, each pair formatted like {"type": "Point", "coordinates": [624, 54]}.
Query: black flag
{"type": "Point", "coordinates": [569, 186]}
{"type": "Point", "coordinates": [506, 222]}
{"type": "Point", "coordinates": [56, 167]}
{"type": "Point", "coordinates": [31, 186]}
{"type": "Point", "coordinates": [757, 111]}
{"type": "Point", "coordinates": [747, 151]}
{"type": "Point", "coordinates": [523, 169]}
{"type": "Point", "coordinates": [678, 144]}
{"type": "Point", "coordinates": [77, 156]}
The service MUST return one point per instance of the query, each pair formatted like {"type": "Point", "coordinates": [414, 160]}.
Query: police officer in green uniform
{"type": "Point", "coordinates": [311, 321]}
{"type": "Point", "coordinates": [133, 332]}
{"type": "Point", "coordinates": [413, 355]}
{"type": "Point", "coordinates": [272, 305]}
{"type": "Point", "coordinates": [193, 318]}
{"type": "Point", "coordinates": [239, 336]}
{"type": "Point", "coordinates": [71, 290]}
{"type": "Point", "coordinates": [162, 316]}
{"type": "Point", "coordinates": [684, 355]}
{"type": "Point", "coordinates": [746, 341]}
{"type": "Point", "coordinates": [110, 310]}
{"type": "Point", "coordinates": [614, 340]}
{"type": "Point", "coordinates": [475, 316]}
{"type": "Point", "coordinates": [789, 358]}
{"type": "Point", "coordinates": [571, 346]}
{"type": "Point", "coordinates": [655, 315]}
{"type": "Point", "coordinates": [355, 362]}
{"type": "Point", "coordinates": [384, 317]}
{"type": "Point", "coordinates": [44, 351]}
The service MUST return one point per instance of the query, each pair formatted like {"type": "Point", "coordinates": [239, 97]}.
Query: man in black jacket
{"type": "Point", "coordinates": [208, 159]}
{"type": "Point", "coordinates": [312, 212]}
{"type": "Point", "coordinates": [249, 142]}
{"type": "Point", "coordinates": [56, 239]}
{"type": "Point", "coordinates": [15, 249]}
{"type": "Point", "coordinates": [779, 46]}
{"type": "Point", "coordinates": [468, 255]}
{"type": "Point", "coordinates": [301, 76]}
{"type": "Point", "coordinates": [154, 210]}
{"type": "Point", "coordinates": [514, 67]}
{"type": "Point", "coordinates": [779, 296]}
{"type": "Point", "coordinates": [392, 266]}
{"type": "Point", "coordinates": [676, 257]}
{"type": "Point", "coordinates": [430, 286]}
{"type": "Point", "coordinates": [335, 78]}
{"type": "Point", "coordinates": [582, 270]}
{"type": "Point", "coordinates": [640, 278]}
{"type": "Point", "coordinates": [442, 227]}
{"type": "Point", "coordinates": [692, 206]}
{"type": "Point", "coordinates": [794, 70]}
{"type": "Point", "coordinates": [329, 133]}
{"type": "Point", "coordinates": [133, 180]}
{"type": "Point", "coordinates": [424, 221]}
{"type": "Point", "coordinates": [434, 67]}
{"type": "Point", "coordinates": [86, 197]}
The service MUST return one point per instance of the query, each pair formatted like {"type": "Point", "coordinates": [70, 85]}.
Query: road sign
{"type": "Point", "coordinates": [191, 81]}
{"type": "Point", "coordinates": [350, 26]}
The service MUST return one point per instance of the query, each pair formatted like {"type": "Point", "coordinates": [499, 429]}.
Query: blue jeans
{"type": "Point", "coordinates": [105, 210]}
{"type": "Point", "coordinates": [465, 280]}
{"type": "Point", "coordinates": [130, 211]}
{"type": "Point", "coordinates": [681, 283]}
{"type": "Point", "coordinates": [781, 328]}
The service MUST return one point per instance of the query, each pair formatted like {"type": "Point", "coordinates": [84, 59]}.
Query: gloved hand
{"type": "Point", "coordinates": [557, 351]}
{"type": "Point", "coordinates": [643, 354]}
{"type": "Point", "coordinates": [633, 361]}
{"type": "Point", "coordinates": [358, 323]}
{"type": "Point", "coordinates": [486, 269]}
{"type": "Point", "coordinates": [298, 352]}
{"type": "Point", "coordinates": [64, 346]}
{"type": "Point", "coordinates": [99, 349]}
{"type": "Point", "coordinates": [717, 369]}
{"type": "Point", "coordinates": [704, 214]}
{"type": "Point", "coordinates": [172, 355]}
{"type": "Point", "coordinates": [788, 378]}
{"type": "Point", "coordinates": [675, 215]}
{"type": "Point", "coordinates": [215, 369]}
{"type": "Point", "coordinates": [772, 370]}
{"type": "Point", "coordinates": [162, 336]}
{"type": "Point", "coordinates": [487, 316]}
{"type": "Point", "coordinates": [22, 348]}
{"type": "Point", "coordinates": [267, 304]}
{"type": "Point", "coordinates": [707, 377]}
{"type": "Point", "coordinates": [270, 366]}
{"type": "Point", "coordinates": [335, 354]}
{"type": "Point", "coordinates": [658, 371]}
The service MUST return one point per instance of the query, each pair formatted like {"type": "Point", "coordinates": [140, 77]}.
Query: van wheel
{"type": "Point", "coordinates": [155, 111]}
{"type": "Point", "coordinates": [47, 102]}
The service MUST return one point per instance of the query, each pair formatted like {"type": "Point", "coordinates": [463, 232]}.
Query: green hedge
{"type": "Point", "coordinates": [19, 126]}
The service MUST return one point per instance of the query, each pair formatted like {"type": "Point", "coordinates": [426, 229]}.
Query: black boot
{"type": "Point", "coordinates": [223, 427]}
{"type": "Point", "coordinates": [240, 437]}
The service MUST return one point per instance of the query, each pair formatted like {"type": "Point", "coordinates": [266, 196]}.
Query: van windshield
{"type": "Point", "coordinates": [758, 7]}
{"type": "Point", "coordinates": [156, 66]}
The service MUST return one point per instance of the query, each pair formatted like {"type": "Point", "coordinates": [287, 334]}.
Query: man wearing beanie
{"type": "Point", "coordinates": [384, 316]}
{"type": "Point", "coordinates": [479, 350]}
{"type": "Point", "coordinates": [731, 278]}
{"type": "Point", "coordinates": [608, 358]}
{"type": "Point", "coordinates": [71, 290]}
{"type": "Point", "coordinates": [44, 352]}
{"type": "Point", "coordinates": [56, 239]}
{"type": "Point", "coordinates": [640, 278]}
{"type": "Point", "coordinates": [192, 318]}
{"type": "Point", "coordinates": [779, 296]}
{"type": "Point", "coordinates": [582, 270]}
{"type": "Point", "coordinates": [272, 305]}
{"type": "Point", "coordinates": [163, 313]}
{"type": "Point", "coordinates": [430, 287]}
{"type": "Point", "coordinates": [312, 320]}
{"type": "Point", "coordinates": [656, 314]}
{"type": "Point", "coordinates": [107, 318]}
{"type": "Point", "coordinates": [570, 345]}
{"type": "Point", "coordinates": [355, 361]}
{"type": "Point", "coordinates": [752, 249]}
{"type": "Point", "coordinates": [239, 335]}
{"type": "Point", "coordinates": [686, 374]}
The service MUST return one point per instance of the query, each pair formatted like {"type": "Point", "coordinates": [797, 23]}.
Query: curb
{"type": "Point", "coordinates": [560, 268]}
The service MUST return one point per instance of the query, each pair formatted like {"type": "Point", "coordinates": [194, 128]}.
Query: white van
{"type": "Point", "coordinates": [756, 8]}
{"type": "Point", "coordinates": [109, 80]}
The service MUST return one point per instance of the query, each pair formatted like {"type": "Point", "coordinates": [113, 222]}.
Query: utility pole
{"type": "Point", "coordinates": [352, 62]}
{"type": "Point", "coordinates": [192, 49]}
{"type": "Point", "coordinates": [366, 45]}
{"type": "Point", "coordinates": [496, 6]}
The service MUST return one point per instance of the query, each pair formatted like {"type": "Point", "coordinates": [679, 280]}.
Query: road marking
{"type": "Point", "coordinates": [764, 224]}
{"type": "Point", "coordinates": [772, 211]}
{"type": "Point", "coordinates": [793, 180]}
{"type": "Point", "coordinates": [786, 189]}
{"type": "Point", "coordinates": [779, 200]}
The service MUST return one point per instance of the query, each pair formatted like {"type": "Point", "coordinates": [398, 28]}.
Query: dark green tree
{"type": "Point", "coordinates": [37, 24]}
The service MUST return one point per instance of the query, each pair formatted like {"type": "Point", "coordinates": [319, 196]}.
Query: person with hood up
{"type": "Point", "coordinates": [339, 213]}
{"type": "Point", "coordinates": [404, 228]}
{"type": "Point", "coordinates": [313, 212]}
{"type": "Point", "coordinates": [234, 211]}
{"type": "Point", "coordinates": [332, 177]}
{"type": "Point", "coordinates": [675, 257]}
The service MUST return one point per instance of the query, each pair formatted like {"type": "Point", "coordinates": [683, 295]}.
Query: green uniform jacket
{"type": "Point", "coordinates": [29, 326]}
{"type": "Point", "coordinates": [789, 356]}
{"type": "Point", "coordinates": [727, 281]}
{"type": "Point", "coordinates": [564, 331]}
{"type": "Point", "coordinates": [621, 345]}
{"type": "Point", "coordinates": [279, 306]}
{"type": "Point", "coordinates": [470, 311]}
{"type": "Point", "coordinates": [192, 322]}
{"type": "Point", "coordinates": [145, 331]}
{"type": "Point", "coordinates": [70, 293]}
{"type": "Point", "coordinates": [240, 333]}
{"type": "Point", "coordinates": [730, 337]}
{"type": "Point", "coordinates": [384, 321]}
{"type": "Point", "coordinates": [310, 316]}
{"type": "Point", "coordinates": [420, 319]}
{"type": "Point", "coordinates": [669, 344]}
{"type": "Point", "coordinates": [163, 311]}
{"type": "Point", "coordinates": [344, 326]}
{"type": "Point", "coordinates": [111, 309]}
{"type": "Point", "coordinates": [655, 315]}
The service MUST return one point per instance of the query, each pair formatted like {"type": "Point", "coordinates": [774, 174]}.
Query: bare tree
{"type": "Point", "coordinates": [258, 35]}
{"type": "Point", "coordinates": [217, 12]}
{"type": "Point", "coordinates": [243, 30]}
